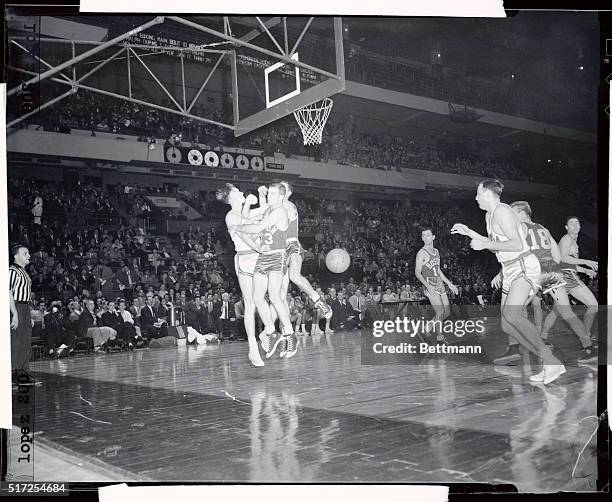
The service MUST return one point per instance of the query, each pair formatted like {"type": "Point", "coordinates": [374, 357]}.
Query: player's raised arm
{"type": "Point", "coordinates": [257, 213]}
{"type": "Point", "coordinates": [251, 200]}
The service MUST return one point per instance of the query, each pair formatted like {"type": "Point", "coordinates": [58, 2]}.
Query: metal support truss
{"type": "Point", "coordinates": [225, 45]}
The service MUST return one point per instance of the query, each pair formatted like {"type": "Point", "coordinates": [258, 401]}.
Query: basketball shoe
{"type": "Point", "coordinates": [274, 340]}
{"type": "Point", "coordinates": [512, 354]}
{"type": "Point", "coordinates": [292, 343]}
{"type": "Point", "coordinates": [325, 309]}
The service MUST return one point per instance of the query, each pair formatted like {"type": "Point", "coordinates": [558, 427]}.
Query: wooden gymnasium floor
{"type": "Point", "coordinates": [204, 413]}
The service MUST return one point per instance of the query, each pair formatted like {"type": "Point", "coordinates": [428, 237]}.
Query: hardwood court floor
{"type": "Point", "coordinates": [204, 413]}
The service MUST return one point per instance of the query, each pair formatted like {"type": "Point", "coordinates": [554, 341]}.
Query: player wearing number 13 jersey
{"type": "Point", "coordinates": [271, 267]}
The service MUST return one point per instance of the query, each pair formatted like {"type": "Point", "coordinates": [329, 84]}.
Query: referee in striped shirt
{"type": "Point", "coordinates": [20, 286]}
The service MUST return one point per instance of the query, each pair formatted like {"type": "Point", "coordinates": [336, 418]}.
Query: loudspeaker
{"type": "Point", "coordinates": [177, 331]}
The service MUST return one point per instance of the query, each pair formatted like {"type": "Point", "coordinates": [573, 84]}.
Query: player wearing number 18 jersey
{"type": "Point", "coordinates": [545, 248]}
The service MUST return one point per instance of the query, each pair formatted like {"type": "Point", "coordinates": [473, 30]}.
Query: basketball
{"type": "Point", "coordinates": [337, 260]}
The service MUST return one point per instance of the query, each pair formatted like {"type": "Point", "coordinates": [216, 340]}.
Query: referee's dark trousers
{"type": "Point", "coordinates": [21, 338]}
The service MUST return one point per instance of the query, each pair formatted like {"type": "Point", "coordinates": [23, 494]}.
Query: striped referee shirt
{"type": "Point", "coordinates": [20, 283]}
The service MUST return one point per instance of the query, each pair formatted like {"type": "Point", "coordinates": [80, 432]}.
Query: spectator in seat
{"type": "Point", "coordinates": [37, 316]}
{"type": "Point", "coordinates": [148, 318]}
{"type": "Point", "coordinates": [113, 319]}
{"type": "Point", "coordinates": [194, 315]}
{"type": "Point", "coordinates": [295, 312]}
{"type": "Point", "coordinates": [128, 318]}
{"type": "Point", "coordinates": [239, 311]}
{"type": "Point", "coordinates": [345, 317]}
{"type": "Point", "coordinates": [224, 311]}
{"type": "Point", "coordinates": [89, 327]}
{"type": "Point", "coordinates": [126, 282]}
{"type": "Point", "coordinates": [209, 310]}
{"type": "Point", "coordinates": [59, 336]}
{"type": "Point", "coordinates": [358, 303]}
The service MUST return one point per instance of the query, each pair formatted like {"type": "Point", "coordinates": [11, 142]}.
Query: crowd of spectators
{"type": "Point", "coordinates": [57, 200]}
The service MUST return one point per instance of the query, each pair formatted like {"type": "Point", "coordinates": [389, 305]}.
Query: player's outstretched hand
{"type": "Point", "coordinates": [251, 200]}
{"type": "Point", "coordinates": [592, 264]}
{"type": "Point", "coordinates": [496, 282]}
{"type": "Point", "coordinates": [591, 273]}
{"type": "Point", "coordinates": [263, 190]}
{"type": "Point", "coordinates": [461, 229]}
{"type": "Point", "coordinates": [453, 288]}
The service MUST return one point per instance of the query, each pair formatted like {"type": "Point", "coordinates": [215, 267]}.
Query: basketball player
{"type": "Point", "coordinates": [545, 248]}
{"type": "Point", "coordinates": [521, 273]}
{"type": "Point", "coordinates": [270, 269]}
{"type": "Point", "coordinates": [427, 269]}
{"type": "Point", "coordinates": [247, 251]}
{"type": "Point", "coordinates": [295, 258]}
{"type": "Point", "coordinates": [570, 264]}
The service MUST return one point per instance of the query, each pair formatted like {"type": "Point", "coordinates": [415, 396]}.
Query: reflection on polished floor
{"type": "Point", "coordinates": [204, 413]}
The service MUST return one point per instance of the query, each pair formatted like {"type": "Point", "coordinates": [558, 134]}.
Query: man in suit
{"type": "Point", "coordinates": [345, 317]}
{"type": "Point", "coordinates": [209, 313]}
{"type": "Point", "coordinates": [224, 311]}
{"type": "Point", "coordinates": [195, 314]}
{"type": "Point", "coordinates": [148, 318]}
{"type": "Point", "coordinates": [89, 326]}
{"type": "Point", "coordinates": [103, 279]}
{"type": "Point", "coordinates": [113, 319]}
{"type": "Point", "coordinates": [126, 282]}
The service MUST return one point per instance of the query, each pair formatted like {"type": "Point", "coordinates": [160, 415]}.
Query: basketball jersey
{"type": "Point", "coordinates": [505, 256]}
{"type": "Point", "coordinates": [239, 244]}
{"type": "Point", "coordinates": [292, 230]}
{"type": "Point", "coordinates": [574, 253]}
{"type": "Point", "coordinates": [431, 268]}
{"type": "Point", "coordinates": [538, 241]}
{"type": "Point", "coordinates": [273, 239]}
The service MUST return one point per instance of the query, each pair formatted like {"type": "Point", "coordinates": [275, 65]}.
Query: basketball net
{"type": "Point", "coordinates": [312, 119]}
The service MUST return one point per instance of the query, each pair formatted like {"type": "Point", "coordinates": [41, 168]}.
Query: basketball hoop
{"type": "Point", "coordinates": [312, 119]}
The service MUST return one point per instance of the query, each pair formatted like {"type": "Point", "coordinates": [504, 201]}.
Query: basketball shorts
{"type": "Point", "coordinates": [572, 279]}
{"type": "Point", "coordinates": [437, 284]}
{"type": "Point", "coordinates": [272, 262]}
{"type": "Point", "coordinates": [294, 247]}
{"type": "Point", "coordinates": [244, 262]}
{"type": "Point", "coordinates": [527, 266]}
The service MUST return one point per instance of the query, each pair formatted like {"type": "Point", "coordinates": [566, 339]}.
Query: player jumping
{"type": "Point", "coordinates": [269, 270]}
{"type": "Point", "coordinates": [247, 251]}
